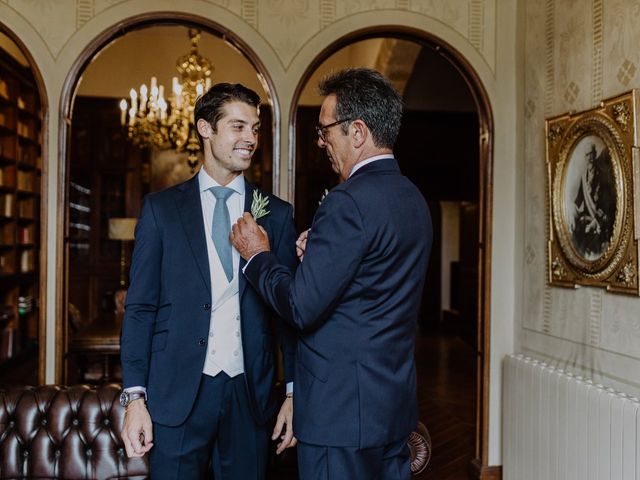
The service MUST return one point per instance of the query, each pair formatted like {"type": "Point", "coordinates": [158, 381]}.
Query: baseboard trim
{"type": "Point", "coordinates": [484, 472]}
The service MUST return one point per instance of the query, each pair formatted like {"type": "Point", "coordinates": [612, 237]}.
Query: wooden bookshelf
{"type": "Point", "coordinates": [20, 186]}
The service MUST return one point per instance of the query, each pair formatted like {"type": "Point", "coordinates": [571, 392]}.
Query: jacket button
{"type": "Point", "coordinates": [201, 342]}
{"type": "Point", "coordinates": [207, 306]}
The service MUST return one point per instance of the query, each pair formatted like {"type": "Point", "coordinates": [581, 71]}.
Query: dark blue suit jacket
{"type": "Point", "coordinates": [168, 306]}
{"type": "Point", "coordinates": [355, 300]}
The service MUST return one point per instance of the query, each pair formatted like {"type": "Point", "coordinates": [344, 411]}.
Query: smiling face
{"type": "Point", "coordinates": [228, 149]}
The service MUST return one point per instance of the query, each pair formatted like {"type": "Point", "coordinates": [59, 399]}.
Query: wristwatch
{"type": "Point", "coordinates": [127, 397]}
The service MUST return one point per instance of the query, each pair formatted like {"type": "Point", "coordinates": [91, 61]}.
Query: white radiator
{"type": "Point", "coordinates": [559, 426]}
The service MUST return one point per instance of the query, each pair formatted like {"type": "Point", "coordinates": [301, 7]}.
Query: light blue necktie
{"type": "Point", "coordinates": [220, 229]}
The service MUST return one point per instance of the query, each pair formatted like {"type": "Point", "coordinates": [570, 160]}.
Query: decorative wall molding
{"type": "Point", "coordinates": [547, 309]}
{"type": "Point", "coordinates": [402, 4]}
{"type": "Point", "coordinates": [598, 45]}
{"type": "Point", "coordinates": [250, 12]}
{"type": "Point", "coordinates": [476, 24]}
{"type": "Point", "coordinates": [85, 9]}
{"type": "Point", "coordinates": [549, 47]}
{"type": "Point", "coordinates": [595, 318]}
{"type": "Point", "coordinates": [327, 12]}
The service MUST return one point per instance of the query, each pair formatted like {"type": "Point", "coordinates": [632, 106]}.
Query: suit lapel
{"type": "Point", "coordinates": [190, 209]}
{"type": "Point", "coordinates": [248, 198]}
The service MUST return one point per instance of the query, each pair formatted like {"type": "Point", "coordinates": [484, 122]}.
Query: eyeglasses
{"type": "Point", "coordinates": [321, 128]}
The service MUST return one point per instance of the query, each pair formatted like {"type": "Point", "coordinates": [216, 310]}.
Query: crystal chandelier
{"type": "Point", "coordinates": [156, 122]}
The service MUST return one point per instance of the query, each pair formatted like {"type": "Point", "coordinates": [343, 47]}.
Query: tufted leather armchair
{"type": "Point", "coordinates": [71, 433]}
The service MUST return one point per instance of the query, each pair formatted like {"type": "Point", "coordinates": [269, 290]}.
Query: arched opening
{"type": "Point", "coordinates": [445, 148]}
{"type": "Point", "coordinates": [23, 159]}
{"type": "Point", "coordinates": [105, 175]}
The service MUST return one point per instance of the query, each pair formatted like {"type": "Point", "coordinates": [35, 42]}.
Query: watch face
{"type": "Point", "coordinates": [124, 399]}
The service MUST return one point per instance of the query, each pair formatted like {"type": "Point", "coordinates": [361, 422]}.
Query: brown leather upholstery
{"type": "Point", "coordinates": [71, 433]}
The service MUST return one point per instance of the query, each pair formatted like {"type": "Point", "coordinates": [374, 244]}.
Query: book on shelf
{"type": "Point", "coordinates": [7, 263]}
{"type": "Point", "coordinates": [4, 89]}
{"type": "Point", "coordinates": [6, 205]}
{"type": "Point", "coordinates": [6, 343]}
{"type": "Point", "coordinates": [6, 332]}
{"type": "Point", "coordinates": [27, 261]}
{"type": "Point", "coordinates": [8, 234]}
{"type": "Point", "coordinates": [26, 208]}
{"type": "Point", "coordinates": [25, 181]}
{"type": "Point", "coordinates": [25, 235]}
{"type": "Point", "coordinates": [25, 304]}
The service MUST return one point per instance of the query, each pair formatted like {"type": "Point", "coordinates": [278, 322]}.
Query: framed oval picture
{"type": "Point", "coordinates": [592, 236]}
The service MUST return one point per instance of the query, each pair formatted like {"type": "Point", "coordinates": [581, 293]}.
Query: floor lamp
{"type": "Point", "coordinates": [122, 229]}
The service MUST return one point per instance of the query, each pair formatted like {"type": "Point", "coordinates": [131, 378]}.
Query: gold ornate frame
{"type": "Point", "coordinates": [592, 168]}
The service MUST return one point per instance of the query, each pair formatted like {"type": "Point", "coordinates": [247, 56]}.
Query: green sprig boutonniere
{"type": "Point", "coordinates": [259, 205]}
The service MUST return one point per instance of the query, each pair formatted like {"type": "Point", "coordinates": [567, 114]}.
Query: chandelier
{"type": "Point", "coordinates": [156, 122]}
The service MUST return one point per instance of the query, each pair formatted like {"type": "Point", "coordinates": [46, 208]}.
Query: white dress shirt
{"type": "Point", "coordinates": [369, 160]}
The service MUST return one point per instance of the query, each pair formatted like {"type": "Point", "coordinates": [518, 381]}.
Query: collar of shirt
{"type": "Point", "coordinates": [206, 182]}
{"type": "Point", "coordinates": [361, 164]}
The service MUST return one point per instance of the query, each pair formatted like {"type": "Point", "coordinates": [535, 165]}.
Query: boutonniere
{"type": "Point", "coordinates": [259, 205]}
{"type": "Point", "coordinates": [324, 195]}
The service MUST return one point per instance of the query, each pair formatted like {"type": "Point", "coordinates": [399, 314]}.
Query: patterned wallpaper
{"type": "Point", "coordinates": [286, 24]}
{"type": "Point", "coordinates": [578, 52]}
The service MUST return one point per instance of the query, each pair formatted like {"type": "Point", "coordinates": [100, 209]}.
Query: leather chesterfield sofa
{"type": "Point", "coordinates": [72, 433]}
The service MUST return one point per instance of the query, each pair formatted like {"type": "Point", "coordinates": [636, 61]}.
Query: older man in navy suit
{"type": "Point", "coordinates": [197, 343]}
{"type": "Point", "coordinates": [355, 297]}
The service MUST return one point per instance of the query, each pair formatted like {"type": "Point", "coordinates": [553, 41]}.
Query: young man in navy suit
{"type": "Point", "coordinates": [197, 343]}
{"type": "Point", "coordinates": [355, 298]}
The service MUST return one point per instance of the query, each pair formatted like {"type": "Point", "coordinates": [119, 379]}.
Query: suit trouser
{"type": "Point", "coordinates": [220, 427]}
{"type": "Point", "coordinates": [390, 462]}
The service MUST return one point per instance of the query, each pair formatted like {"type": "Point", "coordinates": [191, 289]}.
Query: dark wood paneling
{"type": "Point", "coordinates": [483, 472]}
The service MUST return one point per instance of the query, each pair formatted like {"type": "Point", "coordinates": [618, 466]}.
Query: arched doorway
{"type": "Point", "coordinates": [23, 156]}
{"type": "Point", "coordinates": [462, 211]}
{"type": "Point", "coordinates": [105, 177]}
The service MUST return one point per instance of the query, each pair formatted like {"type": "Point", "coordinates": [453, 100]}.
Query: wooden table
{"type": "Point", "coordinates": [99, 340]}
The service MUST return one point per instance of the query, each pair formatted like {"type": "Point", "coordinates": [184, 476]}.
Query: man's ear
{"type": "Point", "coordinates": [360, 133]}
{"type": "Point", "coordinates": [204, 128]}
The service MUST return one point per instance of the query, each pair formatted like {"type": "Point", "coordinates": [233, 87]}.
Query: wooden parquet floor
{"type": "Point", "coordinates": [447, 403]}
{"type": "Point", "coordinates": [446, 397]}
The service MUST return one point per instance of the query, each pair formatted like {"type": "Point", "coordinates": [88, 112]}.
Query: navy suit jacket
{"type": "Point", "coordinates": [355, 299]}
{"type": "Point", "coordinates": [168, 306]}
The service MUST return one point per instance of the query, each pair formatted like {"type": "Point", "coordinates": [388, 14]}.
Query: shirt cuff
{"type": "Point", "coordinates": [289, 388]}
{"type": "Point", "coordinates": [138, 389]}
{"type": "Point", "coordinates": [249, 261]}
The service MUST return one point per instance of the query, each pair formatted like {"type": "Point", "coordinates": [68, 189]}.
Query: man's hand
{"type": "Point", "coordinates": [248, 237]}
{"type": "Point", "coordinates": [284, 427]}
{"type": "Point", "coordinates": [301, 244]}
{"type": "Point", "coordinates": [137, 432]}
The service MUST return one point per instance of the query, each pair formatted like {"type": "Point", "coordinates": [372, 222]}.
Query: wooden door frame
{"type": "Point", "coordinates": [479, 466]}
